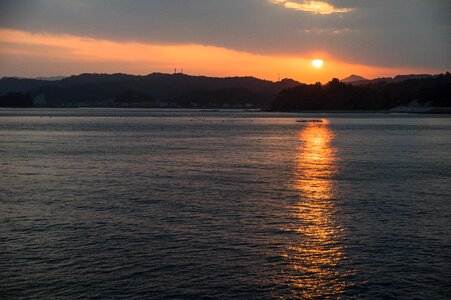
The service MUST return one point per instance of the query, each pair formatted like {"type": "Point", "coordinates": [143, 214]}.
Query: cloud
{"type": "Point", "coordinates": [388, 33]}
{"type": "Point", "coordinates": [314, 7]}
{"type": "Point", "coordinates": [29, 55]}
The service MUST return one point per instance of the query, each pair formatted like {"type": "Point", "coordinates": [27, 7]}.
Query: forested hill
{"type": "Point", "coordinates": [153, 90]}
{"type": "Point", "coordinates": [180, 90]}
{"type": "Point", "coordinates": [434, 91]}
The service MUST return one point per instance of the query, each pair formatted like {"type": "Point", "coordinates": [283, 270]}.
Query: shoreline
{"type": "Point", "coordinates": [117, 111]}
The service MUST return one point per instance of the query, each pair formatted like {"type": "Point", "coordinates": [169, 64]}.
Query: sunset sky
{"type": "Point", "coordinates": [262, 38]}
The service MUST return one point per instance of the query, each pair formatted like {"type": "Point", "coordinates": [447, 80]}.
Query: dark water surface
{"type": "Point", "coordinates": [189, 204]}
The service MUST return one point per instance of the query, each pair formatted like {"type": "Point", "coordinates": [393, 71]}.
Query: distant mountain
{"type": "Point", "coordinates": [353, 78]}
{"type": "Point", "coordinates": [359, 80]}
{"type": "Point", "coordinates": [50, 78]}
{"type": "Point", "coordinates": [400, 78]}
{"type": "Point", "coordinates": [165, 90]}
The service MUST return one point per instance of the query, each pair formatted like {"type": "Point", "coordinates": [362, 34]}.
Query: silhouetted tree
{"type": "Point", "coordinates": [336, 95]}
{"type": "Point", "coordinates": [131, 97]}
{"type": "Point", "coordinates": [13, 99]}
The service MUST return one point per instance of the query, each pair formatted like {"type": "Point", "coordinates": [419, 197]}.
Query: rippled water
{"type": "Point", "coordinates": [189, 204]}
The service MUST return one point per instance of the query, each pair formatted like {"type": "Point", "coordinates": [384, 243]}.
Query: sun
{"type": "Point", "coordinates": [317, 63]}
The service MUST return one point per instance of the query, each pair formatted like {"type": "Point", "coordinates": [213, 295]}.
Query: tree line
{"type": "Point", "coordinates": [336, 95]}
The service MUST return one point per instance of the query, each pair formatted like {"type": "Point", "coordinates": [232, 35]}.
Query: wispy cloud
{"type": "Point", "coordinates": [314, 7]}
{"type": "Point", "coordinates": [327, 31]}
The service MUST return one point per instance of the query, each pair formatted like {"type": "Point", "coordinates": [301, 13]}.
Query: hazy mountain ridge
{"type": "Point", "coordinates": [50, 78]}
{"type": "Point", "coordinates": [359, 80]}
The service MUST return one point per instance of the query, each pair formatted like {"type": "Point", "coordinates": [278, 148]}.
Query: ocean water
{"type": "Point", "coordinates": [105, 203]}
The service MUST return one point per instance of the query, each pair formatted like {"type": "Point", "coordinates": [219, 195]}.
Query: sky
{"type": "Point", "coordinates": [269, 39]}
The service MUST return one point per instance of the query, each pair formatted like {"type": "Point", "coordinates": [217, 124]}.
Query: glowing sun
{"type": "Point", "coordinates": [317, 63]}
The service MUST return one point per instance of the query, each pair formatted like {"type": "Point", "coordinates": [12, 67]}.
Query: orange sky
{"type": "Point", "coordinates": [28, 55]}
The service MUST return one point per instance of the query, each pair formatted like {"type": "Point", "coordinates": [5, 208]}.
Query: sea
{"type": "Point", "coordinates": [224, 204]}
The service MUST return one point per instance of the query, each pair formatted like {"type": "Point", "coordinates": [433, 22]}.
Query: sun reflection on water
{"type": "Point", "coordinates": [316, 252]}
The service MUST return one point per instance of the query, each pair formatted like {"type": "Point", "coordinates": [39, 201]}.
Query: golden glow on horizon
{"type": "Point", "coordinates": [35, 54]}
{"type": "Point", "coordinates": [314, 7]}
{"type": "Point", "coordinates": [318, 250]}
{"type": "Point", "coordinates": [317, 63]}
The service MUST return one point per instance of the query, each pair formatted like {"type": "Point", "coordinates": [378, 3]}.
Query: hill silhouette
{"type": "Point", "coordinates": [422, 92]}
{"type": "Point", "coordinates": [185, 91]}
{"type": "Point", "coordinates": [166, 90]}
